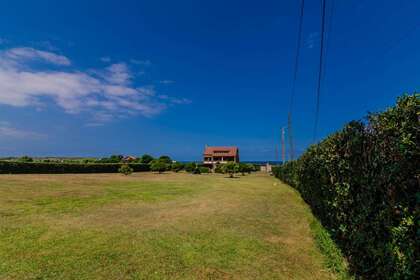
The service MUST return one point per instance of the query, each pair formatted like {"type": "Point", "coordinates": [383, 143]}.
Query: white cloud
{"type": "Point", "coordinates": [105, 94]}
{"type": "Point", "coordinates": [8, 131]}
{"type": "Point", "coordinates": [118, 73]}
{"type": "Point", "coordinates": [26, 53]}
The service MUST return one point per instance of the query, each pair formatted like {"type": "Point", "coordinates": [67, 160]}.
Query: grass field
{"type": "Point", "coordinates": [150, 226]}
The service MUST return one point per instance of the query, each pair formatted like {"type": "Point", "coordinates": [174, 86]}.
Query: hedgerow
{"type": "Point", "coordinates": [363, 183]}
{"type": "Point", "coordinates": [14, 167]}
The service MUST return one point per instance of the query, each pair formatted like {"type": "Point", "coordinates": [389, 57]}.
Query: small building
{"type": "Point", "coordinates": [266, 168]}
{"type": "Point", "coordinates": [215, 155]}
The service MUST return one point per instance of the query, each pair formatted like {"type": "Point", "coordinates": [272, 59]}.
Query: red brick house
{"type": "Point", "coordinates": [215, 155]}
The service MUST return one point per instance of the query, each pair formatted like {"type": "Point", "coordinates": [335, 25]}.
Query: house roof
{"type": "Point", "coordinates": [221, 151]}
{"type": "Point", "coordinates": [129, 158]}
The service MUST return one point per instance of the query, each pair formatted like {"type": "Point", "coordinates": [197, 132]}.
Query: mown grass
{"type": "Point", "coordinates": [333, 257]}
{"type": "Point", "coordinates": [149, 226]}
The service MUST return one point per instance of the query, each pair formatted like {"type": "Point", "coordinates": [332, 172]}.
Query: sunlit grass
{"type": "Point", "coordinates": [149, 226]}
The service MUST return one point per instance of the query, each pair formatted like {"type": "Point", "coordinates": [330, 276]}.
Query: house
{"type": "Point", "coordinates": [129, 159]}
{"type": "Point", "coordinates": [216, 155]}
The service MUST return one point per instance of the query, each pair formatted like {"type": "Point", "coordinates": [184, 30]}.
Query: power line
{"type": "Point", "coordinates": [328, 31]}
{"type": "Point", "coordinates": [296, 70]}
{"type": "Point", "coordinates": [321, 63]}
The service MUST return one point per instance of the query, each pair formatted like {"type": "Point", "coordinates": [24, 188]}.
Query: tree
{"type": "Point", "coordinates": [165, 159]}
{"type": "Point", "coordinates": [125, 169]}
{"type": "Point", "coordinates": [146, 158]}
{"type": "Point", "coordinates": [158, 166]}
{"type": "Point", "coordinates": [177, 166]}
{"type": "Point", "coordinates": [230, 168]}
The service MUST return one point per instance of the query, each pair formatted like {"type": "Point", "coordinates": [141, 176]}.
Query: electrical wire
{"type": "Point", "coordinates": [295, 74]}
{"type": "Point", "coordinates": [320, 70]}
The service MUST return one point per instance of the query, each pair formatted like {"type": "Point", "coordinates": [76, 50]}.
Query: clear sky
{"type": "Point", "coordinates": [94, 78]}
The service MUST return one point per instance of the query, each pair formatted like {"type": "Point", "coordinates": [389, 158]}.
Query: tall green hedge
{"type": "Point", "coordinates": [13, 167]}
{"type": "Point", "coordinates": [363, 183]}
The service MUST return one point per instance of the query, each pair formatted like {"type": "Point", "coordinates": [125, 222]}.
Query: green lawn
{"type": "Point", "coordinates": [150, 226]}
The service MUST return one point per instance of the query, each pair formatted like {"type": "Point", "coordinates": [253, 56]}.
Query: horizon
{"type": "Point", "coordinates": [100, 78]}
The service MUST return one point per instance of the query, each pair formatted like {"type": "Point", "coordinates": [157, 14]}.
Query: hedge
{"type": "Point", "coordinates": [13, 167]}
{"type": "Point", "coordinates": [363, 183]}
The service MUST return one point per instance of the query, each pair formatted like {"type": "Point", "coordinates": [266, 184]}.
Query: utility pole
{"type": "Point", "coordinates": [277, 152]}
{"type": "Point", "coordinates": [290, 134]}
{"type": "Point", "coordinates": [283, 146]}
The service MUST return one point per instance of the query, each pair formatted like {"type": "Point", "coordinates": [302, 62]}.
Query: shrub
{"type": "Point", "coordinates": [190, 167]}
{"type": "Point", "coordinates": [25, 159]}
{"type": "Point", "coordinates": [111, 159]}
{"type": "Point", "coordinates": [125, 169]}
{"type": "Point", "coordinates": [159, 166]}
{"type": "Point", "coordinates": [230, 168]}
{"type": "Point", "coordinates": [204, 169]}
{"type": "Point", "coordinates": [252, 168]}
{"type": "Point", "coordinates": [363, 184]}
{"type": "Point", "coordinates": [196, 171]}
{"type": "Point", "coordinates": [14, 167]}
{"type": "Point", "coordinates": [219, 169]}
{"type": "Point", "coordinates": [177, 166]}
{"type": "Point", "coordinates": [245, 168]}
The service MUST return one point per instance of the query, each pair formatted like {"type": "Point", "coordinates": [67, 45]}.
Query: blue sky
{"type": "Point", "coordinates": [93, 78]}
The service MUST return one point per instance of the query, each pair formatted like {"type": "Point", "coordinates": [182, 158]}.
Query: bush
{"type": "Point", "coordinates": [177, 166]}
{"type": "Point", "coordinates": [14, 167]}
{"type": "Point", "coordinates": [194, 168]}
{"type": "Point", "coordinates": [252, 168]}
{"type": "Point", "coordinates": [190, 167]}
{"type": "Point", "coordinates": [363, 184]}
{"type": "Point", "coordinates": [125, 169]}
{"type": "Point", "coordinates": [230, 168]}
{"type": "Point", "coordinates": [111, 159]}
{"type": "Point", "coordinates": [219, 169]}
{"type": "Point", "coordinates": [159, 166]}
{"type": "Point", "coordinates": [245, 168]}
{"type": "Point", "coordinates": [204, 169]}
{"type": "Point", "coordinates": [26, 159]}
